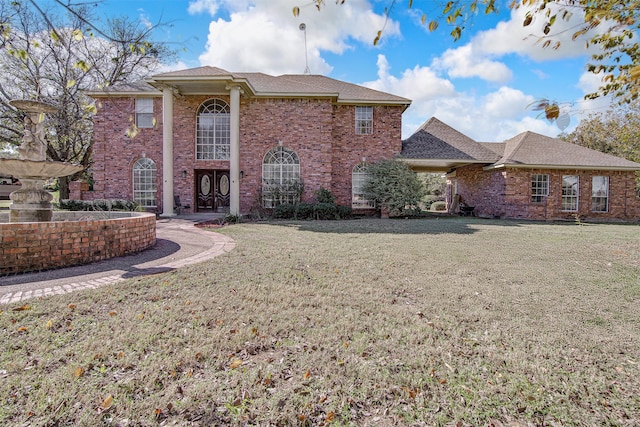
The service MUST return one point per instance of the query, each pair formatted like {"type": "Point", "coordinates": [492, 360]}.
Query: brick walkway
{"type": "Point", "coordinates": [179, 243]}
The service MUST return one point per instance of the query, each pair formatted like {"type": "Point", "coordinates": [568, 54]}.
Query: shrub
{"type": "Point", "coordinates": [439, 206]}
{"type": "Point", "coordinates": [304, 211]}
{"type": "Point", "coordinates": [325, 211]}
{"type": "Point", "coordinates": [393, 185]}
{"type": "Point", "coordinates": [98, 205]}
{"type": "Point", "coordinates": [284, 211]}
{"type": "Point", "coordinates": [344, 212]}
{"type": "Point", "coordinates": [324, 196]}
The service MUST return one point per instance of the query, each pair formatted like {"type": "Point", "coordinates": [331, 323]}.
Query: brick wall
{"type": "Point", "coordinates": [349, 148]}
{"type": "Point", "coordinates": [506, 193]}
{"type": "Point", "coordinates": [321, 134]}
{"type": "Point", "coordinates": [44, 245]}
{"type": "Point", "coordinates": [115, 150]}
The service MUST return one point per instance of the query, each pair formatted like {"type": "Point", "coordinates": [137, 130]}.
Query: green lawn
{"type": "Point", "coordinates": [450, 321]}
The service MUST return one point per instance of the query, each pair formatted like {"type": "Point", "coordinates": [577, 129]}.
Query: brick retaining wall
{"type": "Point", "coordinates": [44, 245]}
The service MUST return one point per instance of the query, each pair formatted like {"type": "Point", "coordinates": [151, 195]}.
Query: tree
{"type": "Point", "coordinates": [394, 187]}
{"type": "Point", "coordinates": [610, 25]}
{"type": "Point", "coordinates": [55, 58]}
{"type": "Point", "coordinates": [616, 132]}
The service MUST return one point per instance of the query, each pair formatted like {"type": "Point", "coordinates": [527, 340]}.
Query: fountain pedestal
{"type": "Point", "coordinates": [31, 203]}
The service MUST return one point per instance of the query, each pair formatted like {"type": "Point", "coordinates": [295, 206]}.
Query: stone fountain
{"type": "Point", "coordinates": [31, 203]}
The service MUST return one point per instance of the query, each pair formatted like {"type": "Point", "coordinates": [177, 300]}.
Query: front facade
{"type": "Point", "coordinates": [530, 176]}
{"type": "Point", "coordinates": [229, 142]}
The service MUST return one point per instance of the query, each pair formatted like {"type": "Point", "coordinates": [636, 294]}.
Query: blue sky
{"type": "Point", "coordinates": [480, 85]}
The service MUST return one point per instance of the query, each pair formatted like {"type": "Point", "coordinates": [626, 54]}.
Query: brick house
{"type": "Point", "coordinates": [227, 141]}
{"type": "Point", "coordinates": [529, 176]}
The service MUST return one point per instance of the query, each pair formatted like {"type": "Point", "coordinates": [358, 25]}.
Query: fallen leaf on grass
{"type": "Point", "coordinates": [72, 307]}
{"type": "Point", "coordinates": [112, 313]}
{"type": "Point", "coordinates": [329, 417]}
{"type": "Point", "coordinates": [23, 308]}
{"type": "Point", "coordinates": [49, 324]}
{"type": "Point", "coordinates": [307, 375]}
{"type": "Point", "coordinates": [107, 402]}
{"type": "Point", "coordinates": [235, 363]}
{"type": "Point", "coordinates": [22, 329]}
{"type": "Point", "coordinates": [78, 372]}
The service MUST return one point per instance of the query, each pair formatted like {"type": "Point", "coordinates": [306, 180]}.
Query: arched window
{"type": "Point", "coordinates": [144, 182]}
{"type": "Point", "coordinates": [213, 137]}
{"type": "Point", "coordinates": [280, 177]}
{"type": "Point", "coordinates": [359, 177]}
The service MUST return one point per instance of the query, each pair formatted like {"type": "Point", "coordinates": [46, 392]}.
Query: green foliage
{"type": "Point", "coordinates": [325, 211]}
{"type": "Point", "coordinates": [393, 185]}
{"type": "Point", "coordinates": [311, 211]}
{"type": "Point", "coordinates": [56, 58]}
{"type": "Point", "coordinates": [438, 206]}
{"type": "Point", "coordinates": [98, 205]}
{"type": "Point", "coordinates": [615, 132]}
{"type": "Point", "coordinates": [324, 196]}
{"type": "Point", "coordinates": [434, 183]}
{"type": "Point", "coordinates": [284, 211]}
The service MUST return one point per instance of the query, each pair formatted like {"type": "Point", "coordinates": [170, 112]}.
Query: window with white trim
{"type": "Point", "coordinates": [280, 177]}
{"type": "Point", "coordinates": [144, 112]}
{"type": "Point", "coordinates": [359, 177]}
{"type": "Point", "coordinates": [144, 182]}
{"type": "Point", "coordinates": [570, 191]}
{"type": "Point", "coordinates": [213, 134]}
{"type": "Point", "coordinates": [600, 193]}
{"type": "Point", "coordinates": [539, 187]}
{"type": "Point", "coordinates": [364, 120]}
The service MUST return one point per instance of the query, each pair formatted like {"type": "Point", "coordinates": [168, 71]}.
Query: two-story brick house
{"type": "Point", "coordinates": [227, 141]}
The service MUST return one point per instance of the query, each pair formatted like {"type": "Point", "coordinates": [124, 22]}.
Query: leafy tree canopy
{"type": "Point", "coordinates": [54, 55]}
{"type": "Point", "coordinates": [610, 25]}
{"type": "Point", "coordinates": [615, 132]}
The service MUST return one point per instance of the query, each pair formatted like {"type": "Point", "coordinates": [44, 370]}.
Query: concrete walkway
{"type": "Point", "coordinates": [179, 243]}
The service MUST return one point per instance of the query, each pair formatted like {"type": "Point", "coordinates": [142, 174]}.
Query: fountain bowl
{"type": "Point", "coordinates": [36, 169]}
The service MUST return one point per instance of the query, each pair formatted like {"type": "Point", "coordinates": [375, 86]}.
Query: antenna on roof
{"type": "Point", "coordinates": [303, 27]}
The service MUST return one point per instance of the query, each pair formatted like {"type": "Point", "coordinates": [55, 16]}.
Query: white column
{"type": "Point", "coordinates": [167, 153]}
{"type": "Point", "coordinates": [234, 163]}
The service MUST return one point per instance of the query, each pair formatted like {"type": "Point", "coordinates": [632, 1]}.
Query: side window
{"type": "Point", "coordinates": [600, 193]}
{"type": "Point", "coordinates": [539, 187]}
{"type": "Point", "coordinates": [364, 120]}
{"type": "Point", "coordinates": [144, 112]}
{"type": "Point", "coordinates": [358, 179]}
{"type": "Point", "coordinates": [144, 182]}
{"type": "Point", "coordinates": [280, 177]}
{"type": "Point", "coordinates": [570, 191]}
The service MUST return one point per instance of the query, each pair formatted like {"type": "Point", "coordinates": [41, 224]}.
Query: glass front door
{"type": "Point", "coordinates": [213, 190]}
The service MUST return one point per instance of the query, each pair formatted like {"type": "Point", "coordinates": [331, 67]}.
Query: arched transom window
{"type": "Point", "coordinates": [144, 182]}
{"type": "Point", "coordinates": [359, 177]}
{"type": "Point", "coordinates": [280, 177]}
{"type": "Point", "coordinates": [213, 136]}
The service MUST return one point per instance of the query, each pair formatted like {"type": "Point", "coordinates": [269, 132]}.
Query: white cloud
{"type": "Point", "coordinates": [199, 6]}
{"type": "Point", "coordinates": [494, 117]}
{"type": "Point", "coordinates": [464, 62]}
{"type": "Point", "coordinates": [479, 57]}
{"type": "Point", "coordinates": [263, 35]}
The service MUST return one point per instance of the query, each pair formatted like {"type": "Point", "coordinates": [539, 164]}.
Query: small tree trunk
{"type": "Point", "coordinates": [63, 185]}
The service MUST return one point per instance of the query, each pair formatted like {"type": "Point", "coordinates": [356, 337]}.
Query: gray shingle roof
{"type": "Point", "coordinates": [530, 148]}
{"type": "Point", "coordinates": [437, 140]}
{"type": "Point", "coordinates": [303, 85]}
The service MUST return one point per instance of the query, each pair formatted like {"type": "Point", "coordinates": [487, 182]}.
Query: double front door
{"type": "Point", "coordinates": [212, 190]}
